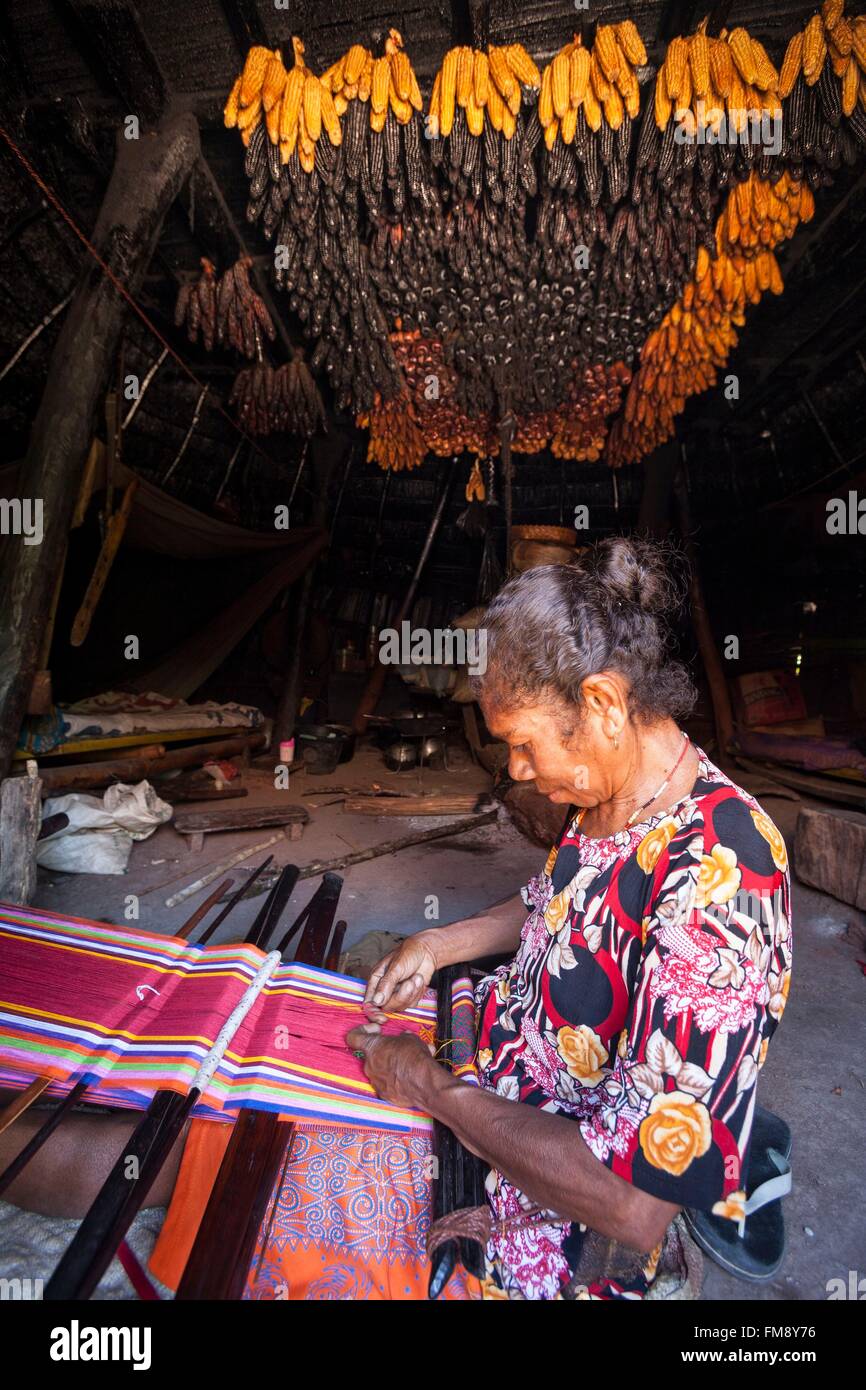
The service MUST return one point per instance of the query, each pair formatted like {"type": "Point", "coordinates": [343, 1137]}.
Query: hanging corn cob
{"type": "Point", "coordinates": [396, 441]}
{"type": "Point", "coordinates": [270, 399]}
{"type": "Point", "coordinates": [296, 104]}
{"type": "Point", "coordinates": [480, 83]}
{"type": "Point", "coordinates": [683, 356]}
{"type": "Point", "coordinates": [729, 78]}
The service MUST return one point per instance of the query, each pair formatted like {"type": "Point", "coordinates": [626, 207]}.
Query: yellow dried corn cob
{"type": "Point", "coordinates": [699, 62]}
{"type": "Point", "coordinates": [551, 133]}
{"type": "Point", "coordinates": [365, 81]}
{"type": "Point", "coordinates": [608, 50]}
{"type": "Point", "coordinates": [559, 84]}
{"type": "Point", "coordinates": [600, 84]}
{"type": "Point", "coordinates": [850, 86]}
{"type": "Point", "coordinates": [291, 104]}
{"type": "Point", "coordinates": [509, 124]}
{"type": "Point", "coordinates": [676, 66]}
{"type": "Point", "coordinates": [474, 116]}
{"type": "Point", "coordinates": [353, 63]}
{"type": "Point", "coordinates": [843, 37]}
{"type": "Point", "coordinates": [568, 125]}
{"type": "Point", "coordinates": [740, 45]}
{"type": "Point", "coordinates": [249, 115]}
{"type": "Point", "coordinates": [814, 50]}
{"type": "Point", "coordinates": [330, 119]}
{"type": "Point", "coordinates": [614, 109]}
{"type": "Point", "coordinates": [523, 67]}
{"type": "Point", "coordinates": [275, 81]}
{"type": "Point", "coordinates": [631, 43]}
{"type": "Point", "coordinates": [579, 65]}
{"type": "Point", "coordinates": [592, 109]}
{"type": "Point", "coordinates": [230, 111]}
{"type": "Point", "coordinates": [254, 73]}
{"type": "Point", "coordinates": [791, 64]}
{"type": "Point", "coordinates": [401, 71]}
{"type": "Point", "coordinates": [766, 76]}
{"type": "Point", "coordinates": [465, 70]}
{"type": "Point", "coordinates": [663, 104]}
{"type": "Point", "coordinates": [449, 91]}
{"type": "Point", "coordinates": [381, 83]}
{"type": "Point", "coordinates": [313, 106]}
{"type": "Point", "coordinates": [496, 108]}
{"type": "Point", "coordinates": [721, 67]}
{"type": "Point", "coordinates": [545, 99]}
{"type": "Point", "coordinates": [480, 78]}
{"type": "Point", "coordinates": [501, 72]}
{"type": "Point", "coordinates": [858, 40]}
{"type": "Point", "coordinates": [831, 13]}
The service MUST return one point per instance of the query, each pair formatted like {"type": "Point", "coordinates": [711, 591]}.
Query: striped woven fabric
{"type": "Point", "coordinates": [464, 1030]}
{"type": "Point", "coordinates": [136, 1012]}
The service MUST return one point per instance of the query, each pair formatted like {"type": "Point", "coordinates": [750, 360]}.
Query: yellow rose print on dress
{"type": "Point", "coordinates": [733, 1207]}
{"type": "Point", "coordinates": [551, 860]}
{"type": "Point", "coordinates": [765, 827]}
{"type": "Point", "coordinates": [654, 844]}
{"type": "Point", "coordinates": [718, 878]}
{"type": "Point", "coordinates": [583, 1052]}
{"type": "Point", "coordinates": [556, 912]}
{"type": "Point", "coordinates": [763, 1057]}
{"type": "Point", "coordinates": [485, 1057]}
{"type": "Point", "coordinates": [676, 1131]}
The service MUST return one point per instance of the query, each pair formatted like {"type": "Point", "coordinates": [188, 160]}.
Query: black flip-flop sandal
{"type": "Point", "coordinates": [754, 1250]}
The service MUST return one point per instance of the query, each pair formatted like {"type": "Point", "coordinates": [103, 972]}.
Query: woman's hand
{"type": "Point", "coordinates": [400, 1069]}
{"type": "Point", "coordinates": [401, 977]}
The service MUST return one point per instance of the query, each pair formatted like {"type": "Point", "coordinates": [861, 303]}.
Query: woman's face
{"type": "Point", "coordinates": [569, 752]}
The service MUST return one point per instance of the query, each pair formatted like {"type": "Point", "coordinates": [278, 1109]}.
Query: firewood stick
{"type": "Point", "coordinates": [391, 846]}
{"type": "Point", "coordinates": [220, 868]}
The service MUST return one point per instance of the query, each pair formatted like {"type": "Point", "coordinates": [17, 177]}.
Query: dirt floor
{"type": "Point", "coordinates": [815, 1075]}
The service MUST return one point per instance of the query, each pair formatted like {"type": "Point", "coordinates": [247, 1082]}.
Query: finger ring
{"type": "Point", "coordinates": [359, 1055]}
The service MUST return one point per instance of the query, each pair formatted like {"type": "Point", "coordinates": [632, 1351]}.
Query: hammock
{"type": "Point", "coordinates": [135, 1013]}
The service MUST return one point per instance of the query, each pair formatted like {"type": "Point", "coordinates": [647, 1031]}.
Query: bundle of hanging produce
{"type": "Point", "coordinates": [196, 306]}
{"type": "Point", "coordinates": [269, 399]}
{"type": "Point", "coordinates": [686, 353]}
{"type": "Point", "coordinates": [531, 227]}
{"type": "Point", "coordinates": [225, 309]}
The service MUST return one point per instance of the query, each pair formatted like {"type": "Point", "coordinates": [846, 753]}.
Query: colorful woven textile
{"type": "Point", "coordinates": [137, 1012]}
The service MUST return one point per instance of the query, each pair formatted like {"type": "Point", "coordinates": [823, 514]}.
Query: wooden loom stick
{"type": "Point", "coordinates": [23, 1101]}
{"type": "Point", "coordinates": [192, 922]}
{"type": "Point", "coordinates": [45, 1131]}
{"type": "Point", "coordinates": [121, 1197]}
{"type": "Point", "coordinates": [223, 1249]}
{"type": "Point", "coordinates": [229, 863]}
{"type": "Point", "coordinates": [244, 888]}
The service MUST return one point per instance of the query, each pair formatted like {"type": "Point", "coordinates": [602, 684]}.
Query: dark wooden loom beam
{"type": "Point", "coordinates": [121, 1197]}
{"type": "Point", "coordinates": [260, 1145]}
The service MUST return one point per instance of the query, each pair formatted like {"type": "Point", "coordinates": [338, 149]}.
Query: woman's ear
{"type": "Point", "coordinates": [606, 697]}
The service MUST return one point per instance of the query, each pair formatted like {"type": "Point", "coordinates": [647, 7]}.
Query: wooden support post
{"type": "Point", "coordinates": [719, 694]}
{"type": "Point", "coordinates": [373, 688]}
{"type": "Point", "coordinates": [653, 518]}
{"type": "Point", "coordinates": [325, 454]}
{"type": "Point", "coordinates": [147, 175]}
{"type": "Point", "coordinates": [20, 818]}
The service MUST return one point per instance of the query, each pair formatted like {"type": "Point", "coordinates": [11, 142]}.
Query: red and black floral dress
{"type": "Point", "coordinates": [652, 971]}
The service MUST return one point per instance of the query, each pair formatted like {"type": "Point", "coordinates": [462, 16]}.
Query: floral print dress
{"type": "Point", "coordinates": [652, 971]}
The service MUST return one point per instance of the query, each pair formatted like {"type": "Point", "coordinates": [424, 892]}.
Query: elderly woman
{"type": "Point", "coordinates": [618, 1049]}
{"type": "Point", "coordinates": [620, 1046]}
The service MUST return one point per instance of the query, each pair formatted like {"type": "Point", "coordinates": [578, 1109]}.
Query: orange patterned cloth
{"type": "Point", "coordinates": [347, 1220]}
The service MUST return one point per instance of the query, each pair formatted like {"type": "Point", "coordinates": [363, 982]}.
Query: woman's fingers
{"type": "Point", "coordinates": [376, 976]}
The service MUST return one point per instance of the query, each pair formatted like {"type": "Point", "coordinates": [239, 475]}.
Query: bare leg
{"type": "Point", "coordinates": [63, 1178]}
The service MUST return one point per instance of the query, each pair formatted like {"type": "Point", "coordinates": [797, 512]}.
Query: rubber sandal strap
{"type": "Point", "coordinates": [774, 1188]}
